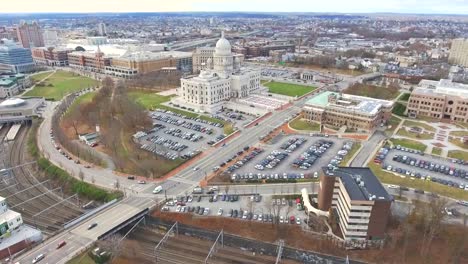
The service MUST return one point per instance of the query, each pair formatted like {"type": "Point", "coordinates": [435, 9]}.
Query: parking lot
{"type": "Point", "coordinates": [258, 208]}
{"type": "Point", "coordinates": [237, 118]}
{"type": "Point", "coordinates": [287, 157]}
{"type": "Point", "coordinates": [175, 135]}
{"type": "Point", "coordinates": [418, 165]}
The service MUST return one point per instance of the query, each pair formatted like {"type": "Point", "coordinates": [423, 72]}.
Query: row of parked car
{"type": "Point", "coordinates": [431, 166]}
{"type": "Point", "coordinates": [269, 176]}
{"type": "Point", "coordinates": [177, 132]}
{"type": "Point", "coordinates": [313, 153]}
{"type": "Point", "coordinates": [292, 144]}
{"type": "Point", "coordinates": [168, 143]}
{"type": "Point", "coordinates": [215, 124]}
{"type": "Point", "coordinates": [272, 160]}
{"type": "Point", "coordinates": [243, 161]}
{"type": "Point", "coordinates": [382, 154]}
{"type": "Point", "coordinates": [234, 213]}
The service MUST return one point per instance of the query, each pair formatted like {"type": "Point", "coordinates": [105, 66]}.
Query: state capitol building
{"type": "Point", "coordinates": [222, 79]}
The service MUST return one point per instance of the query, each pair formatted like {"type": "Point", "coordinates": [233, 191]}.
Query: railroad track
{"type": "Point", "coordinates": [51, 220]}
{"type": "Point", "coordinates": [182, 250]}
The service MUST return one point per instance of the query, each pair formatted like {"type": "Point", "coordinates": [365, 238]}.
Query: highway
{"type": "Point", "coordinates": [79, 237]}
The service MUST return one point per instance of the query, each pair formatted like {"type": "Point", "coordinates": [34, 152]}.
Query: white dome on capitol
{"type": "Point", "coordinates": [223, 47]}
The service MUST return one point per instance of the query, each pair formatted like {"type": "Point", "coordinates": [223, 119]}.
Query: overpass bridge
{"type": "Point", "coordinates": [79, 238]}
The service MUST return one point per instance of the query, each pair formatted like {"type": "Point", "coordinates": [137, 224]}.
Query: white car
{"type": "Point", "coordinates": [195, 168]}
{"type": "Point", "coordinates": [220, 211]}
{"type": "Point", "coordinates": [38, 258]}
{"type": "Point", "coordinates": [298, 221]}
{"type": "Point", "coordinates": [392, 186]}
{"type": "Point", "coordinates": [448, 211]}
{"type": "Point", "coordinates": [281, 219]}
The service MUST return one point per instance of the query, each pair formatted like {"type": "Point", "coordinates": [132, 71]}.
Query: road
{"type": "Point", "coordinates": [79, 237]}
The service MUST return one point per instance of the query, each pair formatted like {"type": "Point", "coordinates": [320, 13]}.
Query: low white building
{"type": "Point", "coordinates": [9, 219]}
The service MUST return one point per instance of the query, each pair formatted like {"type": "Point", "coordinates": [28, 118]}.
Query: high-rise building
{"type": "Point", "coordinates": [102, 30]}
{"type": "Point", "coordinates": [14, 58]}
{"type": "Point", "coordinates": [358, 199]}
{"type": "Point", "coordinates": [30, 35]}
{"type": "Point", "coordinates": [50, 37]}
{"type": "Point", "coordinates": [459, 52]}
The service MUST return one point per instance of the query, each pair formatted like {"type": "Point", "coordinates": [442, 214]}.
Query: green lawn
{"type": "Point", "coordinates": [428, 186]}
{"type": "Point", "coordinates": [86, 98]}
{"type": "Point", "coordinates": [408, 143]}
{"type": "Point", "coordinates": [436, 151]}
{"type": "Point", "coordinates": [152, 101]}
{"type": "Point", "coordinates": [60, 84]}
{"type": "Point", "coordinates": [462, 124]}
{"type": "Point", "coordinates": [459, 133]}
{"type": "Point", "coordinates": [404, 97]}
{"type": "Point", "coordinates": [393, 122]}
{"type": "Point", "coordinates": [405, 133]}
{"type": "Point", "coordinates": [458, 142]}
{"type": "Point", "coordinates": [288, 88]}
{"type": "Point", "coordinates": [458, 154]}
{"type": "Point", "coordinates": [354, 149]}
{"type": "Point", "coordinates": [40, 76]}
{"type": "Point", "coordinates": [399, 109]}
{"type": "Point", "coordinates": [302, 124]}
{"type": "Point", "coordinates": [409, 123]}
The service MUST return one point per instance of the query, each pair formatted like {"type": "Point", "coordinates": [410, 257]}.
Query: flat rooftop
{"type": "Point", "coordinates": [20, 104]}
{"type": "Point", "coordinates": [360, 183]}
{"type": "Point", "coordinates": [361, 104]}
{"type": "Point", "coordinates": [442, 87]}
{"type": "Point", "coordinates": [24, 232]}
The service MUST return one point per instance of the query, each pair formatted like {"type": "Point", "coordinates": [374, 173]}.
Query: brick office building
{"type": "Point", "coordinates": [358, 199]}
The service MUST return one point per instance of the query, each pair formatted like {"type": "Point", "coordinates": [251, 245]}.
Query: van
{"type": "Point", "coordinates": [158, 189]}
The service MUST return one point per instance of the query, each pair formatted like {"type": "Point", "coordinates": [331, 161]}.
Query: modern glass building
{"type": "Point", "coordinates": [14, 58]}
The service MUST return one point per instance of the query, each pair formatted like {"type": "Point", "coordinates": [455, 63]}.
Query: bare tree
{"type": "Point", "coordinates": [112, 245]}
{"type": "Point", "coordinates": [432, 216]}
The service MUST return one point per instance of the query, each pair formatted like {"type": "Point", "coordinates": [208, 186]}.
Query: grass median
{"type": "Point", "coordinates": [352, 151]}
{"type": "Point", "coordinates": [408, 143]}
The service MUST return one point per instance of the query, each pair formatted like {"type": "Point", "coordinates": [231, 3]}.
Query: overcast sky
{"type": "Point", "coordinates": [343, 6]}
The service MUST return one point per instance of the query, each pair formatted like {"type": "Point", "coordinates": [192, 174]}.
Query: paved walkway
{"type": "Point", "coordinates": [441, 136]}
{"type": "Point", "coordinates": [32, 87]}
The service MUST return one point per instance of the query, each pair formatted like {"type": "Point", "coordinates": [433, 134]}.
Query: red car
{"type": "Point", "coordinates": [292, 219]}
{"type": "Point", "coordinates": [61, 244]}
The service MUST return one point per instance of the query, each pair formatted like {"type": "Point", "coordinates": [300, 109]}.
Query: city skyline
{"type": "Point", "coordinates": [459, 7]}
